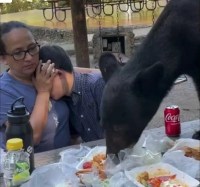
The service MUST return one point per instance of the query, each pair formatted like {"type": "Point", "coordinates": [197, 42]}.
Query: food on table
{"type": "Point", "coordinates": [143, 178]}
{"type": "Point", "coordinates": [97, 163]}
{"type": "Point", "coordinates": [192, 152]}
{"type": "Point", "coordinates": [87, 165]}
{"type": "Point", "coordinates": [147, 180]}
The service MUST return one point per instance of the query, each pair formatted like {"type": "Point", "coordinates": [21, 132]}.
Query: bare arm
{"type": "Point", "coordinates": [43, 84]}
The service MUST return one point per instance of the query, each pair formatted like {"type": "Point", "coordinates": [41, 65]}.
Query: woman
{"type": "Point", "coordinates": [28, 78]}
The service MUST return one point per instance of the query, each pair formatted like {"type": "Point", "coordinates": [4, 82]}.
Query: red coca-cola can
{"type": "Point", "coordinates": [172, 121]}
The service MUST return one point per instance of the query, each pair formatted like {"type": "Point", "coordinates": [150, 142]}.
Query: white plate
{"type": "Point", "coordinates": [170, 170]}
{"type": "Point", "coordinates": [95, 151]}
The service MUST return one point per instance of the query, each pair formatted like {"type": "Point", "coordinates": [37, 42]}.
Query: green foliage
{"type": "Point", "coordinates": [64, 3]}
{"type": "Point", "coordinates": [23, 5]}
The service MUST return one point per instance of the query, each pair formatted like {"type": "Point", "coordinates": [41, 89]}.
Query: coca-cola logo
{"type": "Point", "coordinates": [172, 118]}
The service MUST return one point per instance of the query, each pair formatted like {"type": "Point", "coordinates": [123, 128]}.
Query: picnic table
{"type": "Point", "coordinates": [55, 9]}
{"type": "Point", "coordinates": [107, 7]}
{"type": "Point", "coordinates": [49, 157]}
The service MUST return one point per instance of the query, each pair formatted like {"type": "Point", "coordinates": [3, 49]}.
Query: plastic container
{"type": "Point", "coordinates": [16, 163]}
{"type": "Point", "coordinates": [161, 169]}
{"type": "Point", "coordinates": [95, 151]}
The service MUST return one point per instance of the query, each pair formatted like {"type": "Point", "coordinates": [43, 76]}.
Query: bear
{"type": "Point", "coordinates": [133, 92]}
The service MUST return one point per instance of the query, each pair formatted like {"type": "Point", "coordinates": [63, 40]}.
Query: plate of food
{"type": "Point", "coordinates": [160, 175]}
{"type": "Point", "coordinates": [93, 162]}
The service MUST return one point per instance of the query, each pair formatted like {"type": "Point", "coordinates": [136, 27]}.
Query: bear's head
{"type": "Point", "coordinates": [129, 101]}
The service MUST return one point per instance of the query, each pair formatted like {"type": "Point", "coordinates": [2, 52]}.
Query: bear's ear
{"type": "Point", "coordinates": [108, 64]}
{"type": "Point", "coordinates": [147, 81]}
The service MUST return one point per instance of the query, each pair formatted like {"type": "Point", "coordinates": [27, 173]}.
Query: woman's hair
{"type": "Point", "coordinates": [57, 55]}
{"type": "Point", "coordinates": [6, 28]}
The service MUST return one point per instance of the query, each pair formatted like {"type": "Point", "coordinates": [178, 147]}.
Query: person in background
{"type": "Point", "coordinates": [27, 77]}
{"type": "Point", "coordinates": [82, 91]}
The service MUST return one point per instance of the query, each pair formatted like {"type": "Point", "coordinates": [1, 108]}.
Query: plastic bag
{"type": "Point", "coordinates": [53, 175]}
{"type": "Point", "coordinates": [117, 180]}
{"type": "Point", "coordinates": [61, 174]}
{"type": "Point", "coordinates": [2, 155]}
{"type": "Point", "coordinates": [72, 157]}
{"type": "Point", "coordinates": [148, 150]}
{"type": "Point", "coordinates": [120, 180]}
{"type": "Point", "coordinates": [154, 143]}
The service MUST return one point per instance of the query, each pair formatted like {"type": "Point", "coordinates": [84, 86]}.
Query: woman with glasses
{"type": "Point", "coordinates": [28, 78]}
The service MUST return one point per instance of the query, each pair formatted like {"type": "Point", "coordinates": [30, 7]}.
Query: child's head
{"type": "Point", "coordinates": [57, 55]}
{"type": "Point", "coordinates": [63, 64]}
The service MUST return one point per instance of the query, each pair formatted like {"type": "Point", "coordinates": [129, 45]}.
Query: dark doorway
{"type": "Point", "coordinates": [115, 44]}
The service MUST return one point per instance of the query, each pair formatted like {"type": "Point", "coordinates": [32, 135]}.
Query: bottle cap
{"type": "Point", "coordinates": [14, 144]}
{"type": "Point", "coordinates": [18, 114]}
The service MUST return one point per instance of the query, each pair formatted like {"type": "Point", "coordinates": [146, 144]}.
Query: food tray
{"type": "Point", "coordinates": [155, 168]}
{"type": "Point", "coordinates": [96, 150]}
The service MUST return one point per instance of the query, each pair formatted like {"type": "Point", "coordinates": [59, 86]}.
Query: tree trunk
{"type": "Point", "coordinates": [80, 33]}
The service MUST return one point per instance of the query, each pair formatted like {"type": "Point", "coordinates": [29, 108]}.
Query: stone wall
{"type": "Point", "coordinates": [53, 35]}
{"type": "Point", "coordinates": [128, 38]}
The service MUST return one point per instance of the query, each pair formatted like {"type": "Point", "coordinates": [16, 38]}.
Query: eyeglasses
{"type": "Point", "coordinates": [20, 55]}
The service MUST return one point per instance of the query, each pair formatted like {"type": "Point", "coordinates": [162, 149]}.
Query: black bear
{"type": "Point", "coordinates": [134, 92]}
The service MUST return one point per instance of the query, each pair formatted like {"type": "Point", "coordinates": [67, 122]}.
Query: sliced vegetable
{"type": "Point", "coordinates": [154, 182]}
{"type": "Point", "coordinates": [157, 181]}
{"type": "Point", "coordinates": [87, 165]}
